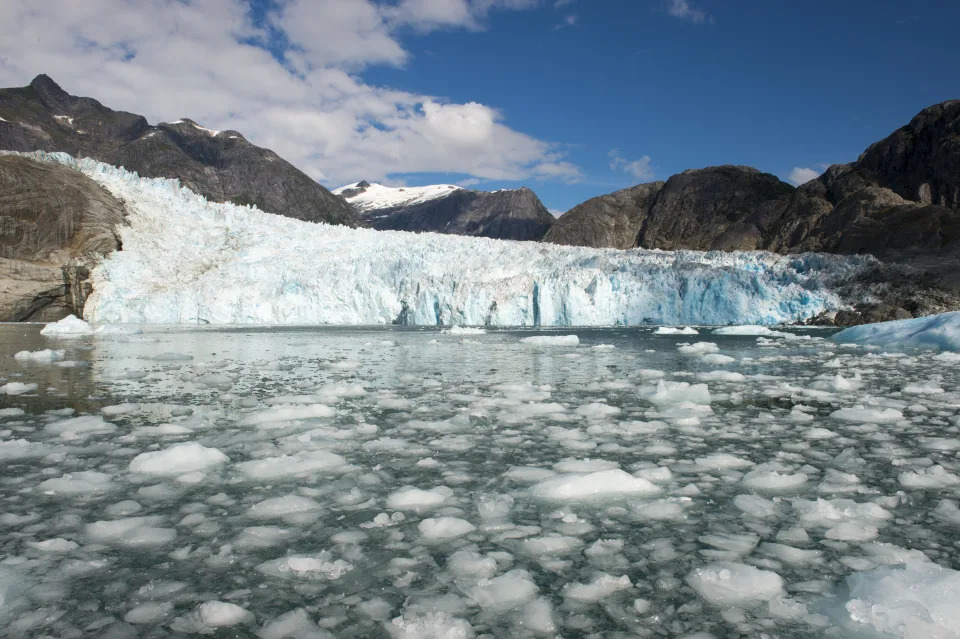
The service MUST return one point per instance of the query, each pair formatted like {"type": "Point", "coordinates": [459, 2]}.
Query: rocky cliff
{"type": "Point", "coordinates": [221, 165]}
{"type": "Point", "coordinates": [509, 214]}
{"type": "Point", "coordinates": [54, 222]}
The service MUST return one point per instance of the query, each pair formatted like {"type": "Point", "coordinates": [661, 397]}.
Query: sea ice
{"type": "Point", "coordinates": [728, 583]}
{"type": "Point", "coordinates": [600, 485]}
{"type": "Point", "coordinates": [69, 326]}
{"type": "Point", "coordinates": [444, 528]}
{"type": "Point", "coordinates": [940, 332]}
{"type": "Point", "coordinates": [45, 356]}
{"type": "Point", "coordinates": [178, 459]}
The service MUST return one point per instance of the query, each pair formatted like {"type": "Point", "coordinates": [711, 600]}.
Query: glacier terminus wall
{"type": "Point", "coordinates": [187, 260]}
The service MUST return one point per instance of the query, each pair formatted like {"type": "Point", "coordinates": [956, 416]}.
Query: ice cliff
{"type": "Point", "coordinates": [187, 260]}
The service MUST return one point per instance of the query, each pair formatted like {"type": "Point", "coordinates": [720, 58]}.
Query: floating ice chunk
{"type": "Point", "coordinates": [584, 465]}
{"type": "Point", "coordinates": [151, 612]}
{"type": "Point", "coordinates": [11, 412]}
{"type": "Point", "coordinates": [668, 392]}
{"type": "Point", "coordinates": [861, 415]}
{"type": "Point", "coordinates": [600, 485]}
{"type": "Point", "coordinates": [722, 461]}
{"type": "Point", "coordinates": [291, 508]}
{"type": "Point", "coordinates": [45, 356]}
{"type": "Point", "coordinates": [69, 326]}
{"type": "Point", "coordinates": [749, 331]}
{"type": "Point", "coordinates": [17, 388]}
{"type": "Point", "coordinates": [597, 411]}
{"type": "Point", "coordinates": [85, 482]}
{"type": "Point", "coordinates": [131, 532]}
{"type": "Point", "coordinates": [698, 348]}
{"type": "Point", "coordinates": [602, 586]}
{"type": "Point", "coordinates": [734, 544]}
{"type": "Point", "coordinates": [537, 617]}
{"type": "Point", "coordinates": [791, 555]}
{"type": "Point", "coordinates": [733, 584]}
{"type": "Point", "coordinates": [22, 449]}
{"type": "Point", "coordinates": [773, 481]}
{"type": "Point", "coordinates": [315, 567]}
{"type": "Point", "coordinates": [930, 478]}
{"type": "Point", "coordinates": [940, 443]}
{"type": "Point", "coordinates": [756, 506]}
{"type": "Point", "coordinates": [429, 625]}
{"type": "Point", "coordinates": [211, 615]}
{"type": "Point", "coordinates": [716, 359]}
{"type": "Point", "coordinates": [721, 376]}
{"type": "Point", "coordinates": [551, 545]}
{"type": "Point", "coordinates": [828, 513]}
{"type": "Point", "coordinates": [660, 510]}
{"type": "Point", "coordinates": [852, 531]}
{"type": "Point", "coordinates": [941, 332]}
{"type": "Point", "coordinates": [507, 591]}
{"type": "Point", "coordinates": [676, 330]}
{"type": "Point", "coordinates": [551, 340]}
{"type": "Point", "coordinates": [466, 563]}
{"type": "Point", "coordinates": [78, 427]}
{"type": "Point", "coordinates": [57, 544]}
{"type": "Point", "coordinates": [302, 463]}
{"type": "Point", "coordinates": [262, 537]}
{"type": "Point", "coordinates": [819, 433]}
{"type": "Point", "coordinates": [914, 601]}
{"type": "Point", "coordinates": [444, 528]}
{"type": "Point", "coordinates": [178, 459]}
{"type": "Point", "coordinates": [120, 409]}
{"type": "Point", "coordinates": [464, 330]}
{"type": "Point", "coordinates": [418, 500]}
{"type": "Point", "coordinates": [276, 416]}
{"type": "Point", "coordinates": [603, 347]}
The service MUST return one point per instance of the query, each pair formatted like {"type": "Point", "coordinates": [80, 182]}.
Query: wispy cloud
{"type": "Point", "coordinates": [289, 82]}
{"type": "Point", "coordinates": [640, 169]}
{"type": "Point", "coordinates": [568, 21]}
{"type": "Point", "coordinates": [685, 11]}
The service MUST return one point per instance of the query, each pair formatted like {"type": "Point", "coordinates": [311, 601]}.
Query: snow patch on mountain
{"type": "Point", "coordinates": [367, 197]}
{"type": "Point", "coordinates": [187, 260]}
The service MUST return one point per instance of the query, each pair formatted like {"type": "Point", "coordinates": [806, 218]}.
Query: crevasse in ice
{"type": "Point", "coordinates": [187, 260]}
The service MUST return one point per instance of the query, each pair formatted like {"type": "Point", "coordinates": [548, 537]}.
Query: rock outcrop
{"type": "Point", "coordinates": [508, 214]}
{"type": "Point", "coordinates": [612, 220]}
{"type": "Point", "coordinates": [54, 223]}
{"type": "Point", "coordinates": [220, 165]}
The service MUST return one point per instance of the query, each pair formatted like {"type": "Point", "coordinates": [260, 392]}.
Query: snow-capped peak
{"type": "Point", "coordinates": [210, 132]}
{"type": "Point", "coordinates": [366, 196]}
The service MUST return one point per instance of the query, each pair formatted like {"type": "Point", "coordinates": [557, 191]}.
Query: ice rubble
{"type": "Point", "coordinates": [186, 260]}
{"type": "Point", "coordinates": [941, 332]}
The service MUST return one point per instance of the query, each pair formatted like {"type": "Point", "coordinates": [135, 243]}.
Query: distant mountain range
{"type": "Point", "coordinates": [508, 214]}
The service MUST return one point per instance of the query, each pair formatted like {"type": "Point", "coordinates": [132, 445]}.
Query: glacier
{"type": "Point", "coordinates": [187, 260]}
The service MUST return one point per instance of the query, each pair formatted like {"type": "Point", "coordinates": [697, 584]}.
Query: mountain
{"type": "Point", "coordinates": [220, 165]}
{"type": "Point", "coordinates": [900, 201]}
{"type": "Point", "coordinates": [509, 214]}
{"type": "Point", "coordinates": [55, 224]}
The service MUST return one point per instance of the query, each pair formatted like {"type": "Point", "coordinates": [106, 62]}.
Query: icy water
{"type": "Point", "coordinates": [377, 482]}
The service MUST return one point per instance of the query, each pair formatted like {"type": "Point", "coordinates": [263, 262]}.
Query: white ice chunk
{"type": "Point", "coordinates": [551, 340]}
{"type": "Point", "coordinates": [507, 591]}
{"type": "Point", "coordinates": [599, 485]}
{"type": "Point", "coordinates": [302, 463]}
{"type": "Point", "coordinates": [45, 356]}
{"type": "Point", "coordinates": [601, 587]}
{"type": "Point", "coordinates": [178, 459]}
{"type": "Point", "coordinates": [733, 584]}
{"type": "Point", "coordinates": [941, 332]}
{"type": "Point", "coordinates": [444, 528]}
{"type": "Point", "coordinates": [69, 326]}
{"type": "Point", "coordinates": [132, 532]}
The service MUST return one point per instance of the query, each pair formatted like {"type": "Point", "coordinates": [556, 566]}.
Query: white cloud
{"type": "Point", "coordinates": [568, 21]}
{"type": "Point", "coordinates": [685, 11]}
{"type": "Point", "coordinates": [801, 175]}
{"type": "Point", "coordinates": [639, 169]}
{"type": "Point", "coordinates": [205, 60]}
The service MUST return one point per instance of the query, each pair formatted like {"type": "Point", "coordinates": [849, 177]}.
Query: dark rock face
{"type": "Point", "coordinates": [516, 214]}
{"type": "Point", "coordinates": [612, 220]}
{"type": "Point", "coordinates": [718, 208]}
{"type": "Point", "coordinates": [222, 165]}
{"type": "Point", "coordinates": [54, 221]}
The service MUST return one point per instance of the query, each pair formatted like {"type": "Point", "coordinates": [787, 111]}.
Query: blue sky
{"type": "Point", "coordinates": [775, 85]}
{"type": "Point", "coordinates": [574, 98]}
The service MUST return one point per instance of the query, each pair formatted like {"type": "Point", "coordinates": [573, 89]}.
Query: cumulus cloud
{"type": "Point", "coordinates": [640, 169]}
{"type": "Point", "coordinates": [289, 82]}
{"type": "Point", "coordinates": [685, 11]}
{"type": "Point", "coordinates": [801, 175]}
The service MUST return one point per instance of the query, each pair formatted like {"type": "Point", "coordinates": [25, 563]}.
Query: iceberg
{"type": "Point", "coordinates": [937, 332]}
{"type": "Point", "coordinates": [187, 260]}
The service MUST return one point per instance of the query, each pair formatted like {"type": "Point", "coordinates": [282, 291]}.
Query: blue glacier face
{"type": "Point", "coordinates": [185, 259]}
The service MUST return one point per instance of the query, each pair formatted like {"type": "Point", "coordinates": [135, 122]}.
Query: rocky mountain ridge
{"type": "Point", "coordinates": [507, 214]}
{"type": "Point", "coordinates": [220, 165]}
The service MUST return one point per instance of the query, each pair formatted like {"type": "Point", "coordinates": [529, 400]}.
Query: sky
{"type": "Point", "coordinates": [573, 98]}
